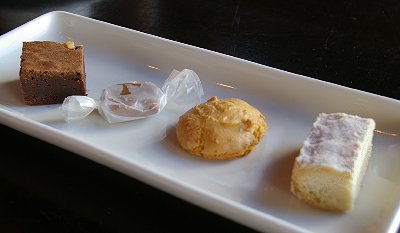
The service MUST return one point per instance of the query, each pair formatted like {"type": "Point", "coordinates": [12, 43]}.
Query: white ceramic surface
{"type": "Point", "coordinates": [253, 190]}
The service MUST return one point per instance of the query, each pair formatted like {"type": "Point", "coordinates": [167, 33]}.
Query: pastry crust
{"type": "Point", "coordinates": [221, 129]}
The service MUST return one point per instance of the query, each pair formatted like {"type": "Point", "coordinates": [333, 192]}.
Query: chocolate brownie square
{"type": "Point", "coordinates": [51, 71]}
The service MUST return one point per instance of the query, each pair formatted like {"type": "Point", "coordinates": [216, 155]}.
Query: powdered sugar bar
{"type": "Point", "coordinates": [330, 167]}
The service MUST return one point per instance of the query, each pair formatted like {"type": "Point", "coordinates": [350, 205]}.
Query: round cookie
{"type": "Point", "coordinates": [221, 129]}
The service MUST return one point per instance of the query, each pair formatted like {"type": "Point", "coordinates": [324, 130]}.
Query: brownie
{"type": "Point", "coordinates": [50, 72]}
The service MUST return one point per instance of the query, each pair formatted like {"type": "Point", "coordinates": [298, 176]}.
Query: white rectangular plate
{"type": "Point", "coordinates": [253, 190]}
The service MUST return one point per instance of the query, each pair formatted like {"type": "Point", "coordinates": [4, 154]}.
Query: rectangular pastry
{"type": "Point", "coordinates": [51, 71]}
{"type": "Point", "coordinates": [330, 167]}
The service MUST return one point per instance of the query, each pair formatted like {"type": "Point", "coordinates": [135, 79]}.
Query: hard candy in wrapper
{"type": "Point", "coordinates": [129, 101]}
{"type": "Point", "coordinates": [135, 100]}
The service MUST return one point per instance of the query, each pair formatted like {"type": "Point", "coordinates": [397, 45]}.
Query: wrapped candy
{"type": "Point", "coordinates": [135, 100]}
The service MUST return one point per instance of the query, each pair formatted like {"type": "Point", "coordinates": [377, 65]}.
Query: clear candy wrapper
{"type": "Point", "coordinates": [135, 100]}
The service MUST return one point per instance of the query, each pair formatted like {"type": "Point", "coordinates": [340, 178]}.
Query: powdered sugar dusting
{"type": "Point", "coordinates": [335, 141]}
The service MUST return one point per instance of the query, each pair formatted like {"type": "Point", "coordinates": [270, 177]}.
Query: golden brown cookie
{"type": "Point", "coordinates": [221, 129]}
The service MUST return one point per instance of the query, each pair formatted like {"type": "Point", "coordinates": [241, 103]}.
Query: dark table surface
{"type": "Point", "coordinates": [47, 189]}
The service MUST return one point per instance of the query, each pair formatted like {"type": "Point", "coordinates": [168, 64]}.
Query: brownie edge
{"type": "Point", "coordinates": [50, 72]}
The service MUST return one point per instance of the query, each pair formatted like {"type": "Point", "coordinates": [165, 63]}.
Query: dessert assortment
{"type": "Point", "coordinates": [326, 174]}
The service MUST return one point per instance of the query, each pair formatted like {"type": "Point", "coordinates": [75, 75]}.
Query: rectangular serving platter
{"type": "Point", "coordinates": [253, 190]}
